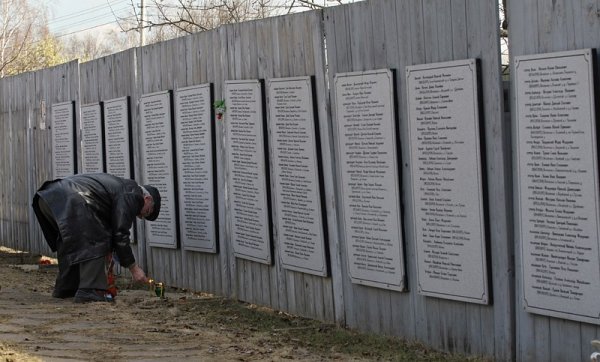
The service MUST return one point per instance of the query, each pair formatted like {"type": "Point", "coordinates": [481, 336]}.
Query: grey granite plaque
{"type": "Point", "coordinates": [248, 172]}
{"type": "Point", "coordinates": [117, 135]}
{"type": "Point", "coordinates": [196, 176]}
{"type": "Point", "coordinates": [92, 148]}
{"type": "Point", "coordinates": [297, 196]}
{"type": "Point", "coordinates": [557, 174]}
{"type": "Point", "coordinates": [446, 179]}
{"type": "Point", "coordinates": [64, 139]}
{"type": "Point", "coordinates": [158, 165]}
{"type": "Point", "coordinates": [368, 156]}
{"type": "Point", "coordinates": [117, 141]}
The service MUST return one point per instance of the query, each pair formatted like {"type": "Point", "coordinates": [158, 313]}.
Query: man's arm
{"type": "Point", "coordinates": [125, 208]}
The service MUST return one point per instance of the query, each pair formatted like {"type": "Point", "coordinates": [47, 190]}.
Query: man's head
{"type": "Point", "coordinates": [151, 207]}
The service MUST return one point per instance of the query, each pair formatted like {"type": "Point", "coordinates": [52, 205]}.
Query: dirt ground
{"type": "Point", "coordinates": [183, 326]}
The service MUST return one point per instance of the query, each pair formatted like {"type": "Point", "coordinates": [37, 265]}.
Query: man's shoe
{"type": "Point", "coordinates": [92, 295]}
{"type": "Point", "coordinates": [62, 294]}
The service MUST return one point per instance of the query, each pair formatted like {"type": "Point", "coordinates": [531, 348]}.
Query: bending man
{"type": "Point", "coordinates": [86, 217]}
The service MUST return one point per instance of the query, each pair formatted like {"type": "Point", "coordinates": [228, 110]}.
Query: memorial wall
{"type": "Point", "coordinates": [368, 156]}
{"type": "Point", "coordinates": [64, 139]}
{"type": "Point", "coordinates": [248, 180]}
{"type": "Point", "coordinates": [297, 196]}
{"type": "Point", "coordinates": [446, 165]}
{"type": "Point", "coordinates": [195, 136]}
{"type": "Point", "coordinates": [557, 173]}
{"type": "Point", "coordinates": [447, 180]}
{"type": "Point", "coordinates": [158, 170]}
{"type": "Point", "coordinates": [92, 142]}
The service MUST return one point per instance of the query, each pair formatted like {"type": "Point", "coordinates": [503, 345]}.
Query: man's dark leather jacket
{"type": "Point", "coordinates": [94, 213]}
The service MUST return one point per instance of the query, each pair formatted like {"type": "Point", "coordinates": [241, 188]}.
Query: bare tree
{"type": "Point", "coordinates": [22, 24]}
{"type": "Point", "coordinates": [88, 47]}
{"type": "Point", "coordinates": [42, 53]}
{"type": "Point", "coordinates": [171, 18]}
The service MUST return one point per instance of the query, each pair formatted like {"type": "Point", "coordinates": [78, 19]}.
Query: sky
{"type": "Point", "coordinates": [70, 17]}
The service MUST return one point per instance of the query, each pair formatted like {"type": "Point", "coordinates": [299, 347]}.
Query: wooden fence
{"type": "Point", "coordinates": [26, 147]}
{"type": "Point", "coordinates": [375, 34]}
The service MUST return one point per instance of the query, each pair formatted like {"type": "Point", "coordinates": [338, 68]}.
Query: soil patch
{"type": "Point", "coordinates": [183, 326]}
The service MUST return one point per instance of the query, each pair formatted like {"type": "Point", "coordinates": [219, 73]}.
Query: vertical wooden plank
{"type": "Point", "coordinates": [204, 271]}
{"type": "Point", "coordinates": [325, 128]}
{"type": "Point", "coordinates": [340, 60]}
{"type": "Point", "coordinates": [229, 273]}
{"type": "Point", "coordinates": [379, 22]}
{"type": "Point", "coordinates": [176, 61]}
{"type": "Point", "coordinates": [445, 22]}
{"type": "Point", "coordinates": [322, 300]}
{"type": "Point", "coordinates": [502, 248]}
{"type": "Point", "coordinates": [553, 19]}
{"type": "Point", "coordinates": [361, 36]}
{"type": "Point", "coordinates": [480, 318]}
{"type": "Point", "coordinates": [565, 341]}
{"type": "Point", "coordinates": [132, 68]}
{"type": "Point", "coordinates": [215, 74]}
{"type": "Point", "coordinates": [267, 273]}
{"type": "Point", "coordinates": [343, 50]}
{"type": "Point", "coordinates": [408, 316]}
{"type": "Point", "coordinates": [169, 259]}
{"type": "Point", "coordinates": [432, 44]}
{"type": "Point", "coordinates": [266, 39]}
{"type": "Point", "coordinates": [539, 347]}
{"type": "Point", "coordinates": [296, 63]}
{"type": "Point", "coordinates": [3, 161]}
{"type": "Point", "coordinates": [458, 23]}
{"type": "Point", "coordinates": [590, 23]}
{"type": "Point", "coordinates": [144, 85]}
{"type": "Point", "coordinates": [332, 294]}
{"type": "Point", "coordinates": [570, 24]}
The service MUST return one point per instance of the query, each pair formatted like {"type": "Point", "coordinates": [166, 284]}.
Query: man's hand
{"type": "Point", "coordinates": [138, 274]}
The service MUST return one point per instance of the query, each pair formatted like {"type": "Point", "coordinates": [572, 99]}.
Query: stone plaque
{"type": "Point", "coordinates": [117, 140]}
{"type": "Point", "coordinates": [368, 156]}
{"type": "Point", "coordinates": [296, 171]}
{"type": "Point", "coordinates": [117, 135]}
{"type": "Point", "coordinates": [92, 147]}
{"type": "Point", "coordinates": [157, 165]}
{"type": "Point", "coordinates": [557, 173]}
{"type": "Point", "coordinates": [64, 139]}
{"type": "Point", "coordinates": [195, 168]}
{"type": "Point", "coordinates": [446, 179]}
{"type": "Point", "coordinates": [248, 172]}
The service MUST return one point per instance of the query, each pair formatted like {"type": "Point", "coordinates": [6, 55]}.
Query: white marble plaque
{"type": "Point", "coordinates": [368, 154]}
{"type": "Point", "coordinates": [446, 179]}
{"type": "Point", "coordinates": [117, 135]}
{"type": "Point", "coordinates": [248, 198]}
{"type": "Point", "coordinates": [557, 165]}
{"type": "Point", "coordinates": [64, 162]}
{"type": "Point", "coordinates": [195, 155]}
{"type": "Point", "coordinates": [297, 196]}
{"type": "Point", "coordinates": [158, 165]}
{"type": "Point", "coordinates": [92, 148]}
